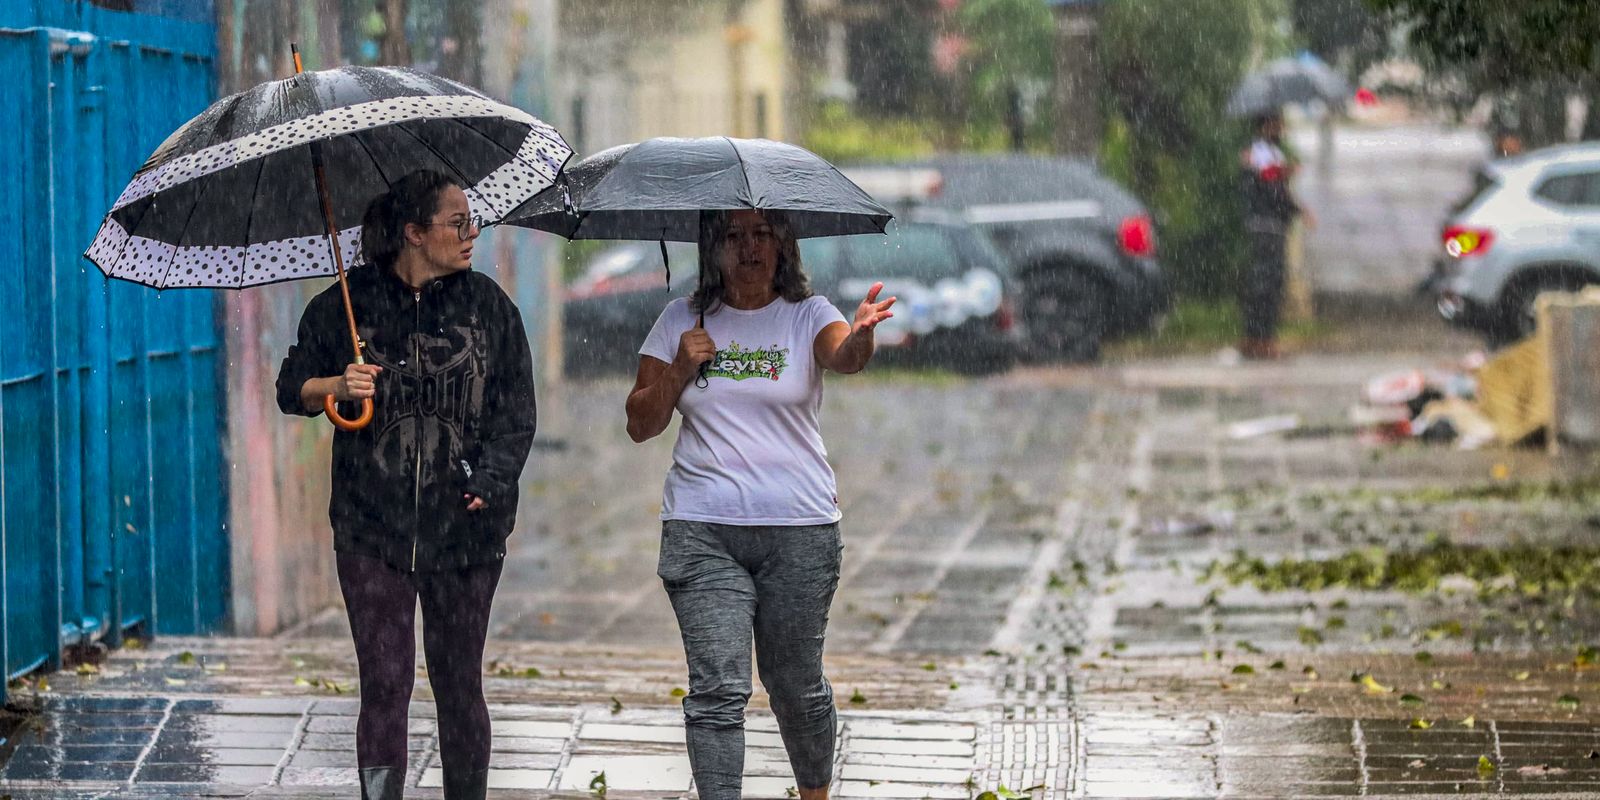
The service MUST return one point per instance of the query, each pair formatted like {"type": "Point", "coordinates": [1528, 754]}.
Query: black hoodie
{"type": "Point", "coordinates": [454, 414]}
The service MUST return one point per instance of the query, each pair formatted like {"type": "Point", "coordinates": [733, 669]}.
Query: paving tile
{"type": "Point", "coordinates": [631, 733]}
{"type": "Point", "coordinates": [511, 778]}
{"type": "Point", "coordinates": [911, 791]}
{"type": "Point", "coordinates": [231, 723]}
{"type": "Point", "coordinates": [69, 771]}
{"type": "Point", "coordinates": [531, 729]}
{"type": "Point", "coordinates": [65, 703]}
{"type": "Point", "coordinates": [908, 760]}
{"type": "Point", "coordinates": [901, 746]}
{"type": "Point", "coordinates": [875, 729]}
{"type": "Point", "coordinates": [768, 788]}
{"type": "Point", "coordinates": [318, 776]}
{"type": "Point", "coordinates": [221, 756]}
{"type": "Point", "coordinates": [279, 706]}
{"type": "Point", "coordinates": [653, 773]}
{"type": "Point", "coordinates": [526, 744]}
{"type": "Point", "coordinates": [202, 773]}
{"type": "Point", "coordinates": [324, 758]}
{"type": "Point", "coordinates": [191, 739]}
{"type": "Point", "coordinates": [869, 773]}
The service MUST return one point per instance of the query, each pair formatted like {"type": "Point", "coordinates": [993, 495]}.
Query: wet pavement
{"type": "Point", "coordinates": [1049, 585]}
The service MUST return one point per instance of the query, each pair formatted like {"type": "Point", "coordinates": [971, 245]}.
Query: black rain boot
{"type": "Point", "coordinates": [382, 783]}
{"type": "Point", "coordinates": [466, 785]}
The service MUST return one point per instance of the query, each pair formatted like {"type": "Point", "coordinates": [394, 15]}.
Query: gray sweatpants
{"type": "Point", "coordinates": [732, 583]}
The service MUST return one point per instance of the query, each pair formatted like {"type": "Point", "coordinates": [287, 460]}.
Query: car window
{"type": "Point", "coordinates": [926, 252]}
{"type": "Point", "coordinates": [1577, 189]}
{"type": "Point", "coordinates": [820, 257]}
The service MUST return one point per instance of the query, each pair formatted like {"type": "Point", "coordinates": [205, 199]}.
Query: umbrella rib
{"type": "Point", "coordinates": [376, 164]}
{"type": "Point", "coordinates": [447, 162]}
{"type": "Point", "coordinates": [744, 170]}
{"type": "Point", "coordinates": [250, 221]}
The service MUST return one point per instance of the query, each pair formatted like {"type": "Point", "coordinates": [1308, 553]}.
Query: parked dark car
{"type": "Point", "coordinates": [956, 306]}
{"type": "Point", "coordinates": [1082, 249]}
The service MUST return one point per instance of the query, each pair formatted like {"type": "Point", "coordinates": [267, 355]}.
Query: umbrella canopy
{"type": "Point", "coordinates": [657, 188]}
{"type": "Point", "coordinates": [1287, 81]}
{"type": "Point", "coordinates": [230, 199]}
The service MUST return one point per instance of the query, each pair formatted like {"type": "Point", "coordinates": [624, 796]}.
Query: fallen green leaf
{"type": "Point", "coordinates": [1244, 669]}
{"type": "Point", "coordinates": [857, 698]}
{"type": "Point", "coordinates": [1485, 766]}
{"type": "Point", "coordinates": [1567, 702]}
{"type": "Point", "coordinates": [1420, 724]}
{"type": "Point", "coordinates": [616, 706]}
{"type": "Point", "coordinates": [678, 691]}
{"type": "Point", "coordinates": [186, 658]}
{"type": "Point", "coordinates": [1411, 700]}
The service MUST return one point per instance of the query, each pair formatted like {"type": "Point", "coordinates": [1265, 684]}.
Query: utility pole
{"type": "Point", "coordinates": [1079, 121]}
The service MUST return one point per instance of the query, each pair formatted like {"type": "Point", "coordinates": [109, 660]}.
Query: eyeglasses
{"type": "Point", "coordinates": [464, 228]}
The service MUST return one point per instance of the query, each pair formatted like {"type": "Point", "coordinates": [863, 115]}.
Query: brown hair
{"type": "Point", "coordinates": [789, 280]}
{"type": "Point", "coordinates": [413, 199]}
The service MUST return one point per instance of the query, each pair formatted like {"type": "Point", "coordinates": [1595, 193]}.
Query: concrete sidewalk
{"type": "Point", "coordinates": [1035, 596]}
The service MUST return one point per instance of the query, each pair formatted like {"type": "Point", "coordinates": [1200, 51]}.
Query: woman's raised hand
{"type": "Point", "coordinates": [871, 312]}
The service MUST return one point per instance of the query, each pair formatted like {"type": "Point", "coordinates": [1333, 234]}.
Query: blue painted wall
{"type": "Point", "coordinates": [112, 489]}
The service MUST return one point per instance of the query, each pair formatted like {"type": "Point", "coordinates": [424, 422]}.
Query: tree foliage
{"type": "Point", "coordinates": [1507, 43]}
{"type": "Point", "coordinates": [1169, 68]}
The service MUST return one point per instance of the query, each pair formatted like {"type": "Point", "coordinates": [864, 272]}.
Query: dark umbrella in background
{"type": "Point", "coordinates": [1288, 81]}
{"type": "Point", "coordinates": [271, 184]}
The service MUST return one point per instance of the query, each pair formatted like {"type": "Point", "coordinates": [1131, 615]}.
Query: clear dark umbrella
{"type": "Point", "coordinates": [271, 184]}
{"type": "Point", "coordinates": [1288, 81]}
{"type": "Point", "coordinates": [657, 188]}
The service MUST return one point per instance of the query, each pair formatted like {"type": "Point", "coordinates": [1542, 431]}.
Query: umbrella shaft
{"type": "Point", "coordinates": [333, 242]}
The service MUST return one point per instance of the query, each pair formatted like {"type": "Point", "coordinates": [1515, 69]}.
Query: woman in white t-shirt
{"type": "Point", "coordinates": [750, 545]}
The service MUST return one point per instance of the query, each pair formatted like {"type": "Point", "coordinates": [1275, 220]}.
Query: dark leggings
{"type": "Point", "coordinates": [382, 604]}
{"type": "Point", "coordinates": [1261, 291]}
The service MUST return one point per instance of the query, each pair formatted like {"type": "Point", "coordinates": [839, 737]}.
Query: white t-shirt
{"type": "Point", "coordinates": [750, 449]}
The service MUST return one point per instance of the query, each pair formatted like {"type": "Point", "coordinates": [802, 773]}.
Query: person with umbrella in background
{"type": "Point", "coordinates": [282, 182]}
{"type": "Point", "coordinates": [1265, 171]}
{"type": "Point", "coordinates": [1269, 208]}
{"type": "Point", "coordinates": [750, 542]}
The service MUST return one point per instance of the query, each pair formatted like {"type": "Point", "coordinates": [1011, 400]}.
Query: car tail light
{"type": "Point", "coordinates": [1461, 241]}
{"type": "Point", "coordinates": [1137, 236]}
{"type": "Point", "coordinates": [1005, 317]}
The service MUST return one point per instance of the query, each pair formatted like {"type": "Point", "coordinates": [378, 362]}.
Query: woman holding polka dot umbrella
{"type": "Point", "coordinates": [271, 184]}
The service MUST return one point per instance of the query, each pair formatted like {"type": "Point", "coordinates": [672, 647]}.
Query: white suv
{"type": "Point", "coordinates": [1530, 225]}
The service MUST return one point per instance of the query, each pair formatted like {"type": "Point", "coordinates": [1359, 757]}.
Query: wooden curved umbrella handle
{"type": "Point", "coordinates": [331, 406]}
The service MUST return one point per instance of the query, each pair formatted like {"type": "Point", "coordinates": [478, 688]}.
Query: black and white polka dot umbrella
{"type": "Point", "coordinates": [231, 199]}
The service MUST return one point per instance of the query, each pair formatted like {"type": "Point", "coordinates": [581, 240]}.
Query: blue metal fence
{"type": "Point", "coordinates": [112, 491]}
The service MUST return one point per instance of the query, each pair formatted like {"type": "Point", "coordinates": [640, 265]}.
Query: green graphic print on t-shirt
{"type": "Point", "coordinates": [738, 363]}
